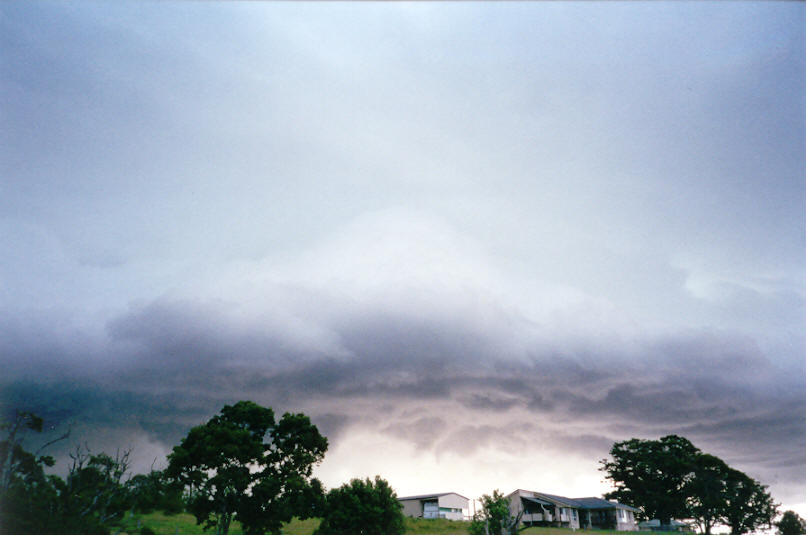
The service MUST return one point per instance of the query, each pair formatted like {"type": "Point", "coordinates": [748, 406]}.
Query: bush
{"type": "Point", "coordinates": [146, 531]}
{"type": "Point", "coordinates": [362, 508]}
{"type": "Point", "coordinates": [791, 524]}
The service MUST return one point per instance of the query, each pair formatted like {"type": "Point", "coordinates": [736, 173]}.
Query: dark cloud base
{"type": "Point", "coordinates": [719, 392]}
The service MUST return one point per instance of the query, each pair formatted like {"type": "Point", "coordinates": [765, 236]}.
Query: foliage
{"type": "Point", "coordinates": [706, 491]}
{"type": "Point", "coordinates": [791, 524]}
{"type": "Point", "coordinates": [495, 517]}
{"type": "Point", "coordinates": [94, 487]}
{"type": "Point", "coordinates": [154, 491]}
{"type": "Point", "coordinates": [670, 478]}
{"type": "Point", "coordinates": [243, 463]}
{"type": "Point", "coordinates": [652, 475]}
{"type": "Point", "coordinates": [13, 459]}
{"type": "Point", "coordinates": [362, 507]}
{"type": "Point", "coordinates": [88, 502]}
{"type": "Point", "coordinates": [748, 506]}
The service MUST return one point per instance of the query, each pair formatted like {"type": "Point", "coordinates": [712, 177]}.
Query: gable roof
{"type": "Point", "coordinates": [430, 496]}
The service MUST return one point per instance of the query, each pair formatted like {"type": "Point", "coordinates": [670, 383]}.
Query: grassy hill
{"type": "Point", "coordinates": [185, 524]}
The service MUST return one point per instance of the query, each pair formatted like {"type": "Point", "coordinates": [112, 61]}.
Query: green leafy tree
{"type": "Point", "coordinates": [95, 492]}
{"type": "Point", "coordinates": [244, 464]}
{"type": "Point", "coordinates": [29, 503]}
{"type": "Point", "coordinates": [362, 507]}
{"type": "Point", "coordinates": [748, 505]}
{"type": "Point", "coordinates": [652, 475]}
{"type": "Point", "coordinates": [706, 491]}
{"type": "Point", "coordinates": [791, 524]}
{"type": "Point", "coordinates": [495, 517]}
{"type": "Point", "coordinates": [88, 502]}
{"type": "Point", "coordinates": [154, 491]}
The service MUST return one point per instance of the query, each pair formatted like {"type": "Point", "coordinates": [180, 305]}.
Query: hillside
{"type": "Point", "coordinates": [184, 524]}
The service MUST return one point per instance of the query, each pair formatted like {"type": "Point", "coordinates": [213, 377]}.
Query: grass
{"type": "Point", "coordinates": [185, 524]}
{"type": "Point", "coordinates": [435, 526]}
{"type": "Point", "coordinates": [162, 524]}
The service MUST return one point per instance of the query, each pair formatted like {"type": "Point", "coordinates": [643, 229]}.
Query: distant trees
{"type": "Point", "coordinates": [791, 524]}
{"type": "Point", "coordinates": [243, 463]}
{"type": "Point", "coordinates": [362, 507]}
{"type": "Point", "coordinates": [671, 478]}
{"type": "Point", "coordinates": [154, 491]}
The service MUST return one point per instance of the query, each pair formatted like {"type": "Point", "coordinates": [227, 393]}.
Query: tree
{"type": "Point", "coordinates": [95, 491]}
{"type": "Point", "coordinates": [652, 475]}
{"type": "Point", "coordinates": [13, 458]}
{"type": "Point", "coordinates": [153, 491]}
{"type": "Point", "coordinates": [88, 502]}
{"type": "Point", "coordinates": [706, 491]}
{"type": "Point", "coordinates": [495, 517]}
{"type": "Point", "coordinates": [791, 524]}
{"type": "Point", "coordinates": [748, 506]}
{"type": "Point", "coordinates": [242, 463]}
{"type": "Point", "coordinates": [362, 507]}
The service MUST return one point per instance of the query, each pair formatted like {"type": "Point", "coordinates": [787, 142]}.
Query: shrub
{"type": "Point", "coordinates": [362, 507]}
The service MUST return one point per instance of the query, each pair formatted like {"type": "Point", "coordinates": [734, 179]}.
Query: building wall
{"type": "Point", "coordinates": [625, 521]}
{"type": "Point", "coordinates": [412, 508]}
{"type": "Point", "coordinates": [453, 507]}
{"type": "Point", "coordinates": [454, 501]}
{"type": "Point", "coordinates": [450, 506]}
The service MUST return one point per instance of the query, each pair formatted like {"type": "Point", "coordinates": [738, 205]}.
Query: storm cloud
{"type": "Point", "coordinates": [476, 243]}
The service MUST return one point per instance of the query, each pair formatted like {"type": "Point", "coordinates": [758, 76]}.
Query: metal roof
{"type": "Point", "coordinates": [536, 500]}
{"type": "Point", "coordinates": [599, 503]}
{"type": "Point", "coordinates": [559, 500]}
{"type": "Point", "coordinates": [427, 496]}
{"type": "Point", "coordinates": [580, 503]}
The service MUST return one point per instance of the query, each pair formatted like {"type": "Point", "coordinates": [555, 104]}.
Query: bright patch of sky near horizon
{"type": "Point", "coordinates": [402, 196]}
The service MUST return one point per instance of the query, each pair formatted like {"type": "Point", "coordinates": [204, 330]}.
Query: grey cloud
{"type": "Point", "coordinates": [423, 432]}
{"type": "Point", "coordinates": [489, 402]}
{"type": "Point", "coordinates": [605, 236]}
{"type": "Point", "coordinates": [713, 388]}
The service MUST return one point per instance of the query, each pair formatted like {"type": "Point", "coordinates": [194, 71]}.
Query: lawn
{"type": "Point", "coordinates": [185, 524]}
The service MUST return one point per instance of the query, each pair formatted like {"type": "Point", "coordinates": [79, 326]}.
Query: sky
{"type": "Point", "coordinates": [478, 243]}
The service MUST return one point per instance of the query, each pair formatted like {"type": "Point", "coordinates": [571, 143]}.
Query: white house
{"type": "Point", "coordinates": [447, 505]}
{"type": "Point", "coordinates": [541, 509]}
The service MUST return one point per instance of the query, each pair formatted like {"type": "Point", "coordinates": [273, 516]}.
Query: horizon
{"type": "Point", "coordinates": [476, 243]}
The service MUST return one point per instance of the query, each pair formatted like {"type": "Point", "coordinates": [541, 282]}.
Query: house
{"type": "Point", "coordinates": [607, 514]}
{"type": "Point", "coordinates": [445, 505]}
{"type": "Point", "coordinates": [541, 509]}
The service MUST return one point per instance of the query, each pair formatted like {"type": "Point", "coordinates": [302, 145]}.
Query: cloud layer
{"type": "Point", "coordinates": [467, 239]}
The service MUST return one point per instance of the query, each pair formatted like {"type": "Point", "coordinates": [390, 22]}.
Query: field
{"type": "Point", "coordinates": [185, 524]}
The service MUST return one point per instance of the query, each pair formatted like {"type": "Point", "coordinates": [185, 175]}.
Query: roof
{"type": "Point", "coordinates": [536, 500]}
{"type": "Point", "coordinates": [428, 496]}
{"type": "Point", "coordinates": [578, 503]}
{"type": "Point", "coordinates": [562, 500]}
{"type": "Point", "coordinates": [599, 503]}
